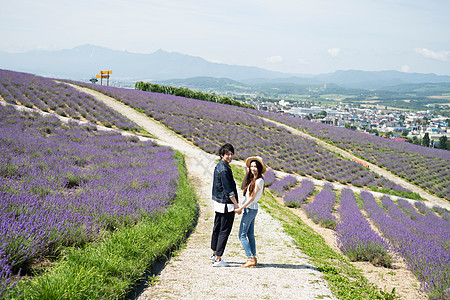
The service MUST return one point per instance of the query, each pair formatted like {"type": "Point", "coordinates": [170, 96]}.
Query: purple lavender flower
{"type": "Point", "coordinates": [422, 241]}
{"type": "Point", "coordinates": [296, 197]}
{"type": "Point", "coordinates": [269, 177]}
{"type": "Point", "coordinates": [320, 210]}
{"type": "Point", "coordinates": [280, 186]}
{"type": "Point", "coordinates": [355, 237]}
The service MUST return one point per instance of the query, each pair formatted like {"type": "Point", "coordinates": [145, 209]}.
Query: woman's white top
{"type": "Point", "coordinates": [254, 205]}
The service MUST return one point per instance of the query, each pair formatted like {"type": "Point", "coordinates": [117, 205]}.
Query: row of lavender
{"type": "Point", "coordinates": [425, 167]}
{"type": "Point", "coordinates": [418, 234]}
{"type": "Point", "coordinates": [49, 96]}
{"type": "Point", "coordinates": [322, 208]}
{"type": "Point", "coordinates": [422, 240]}
{"type": "Point", "coordinates": [65, 184]}
{"type": "Point", "coordinates": [209, 124]}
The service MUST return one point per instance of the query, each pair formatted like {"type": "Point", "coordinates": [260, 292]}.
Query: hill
{"type": "Point", "coordinates": [420, 88]}
{"type": "Point", "coordinates": [378, 79]}
{"type": "Point", "coordinates": [209, 83]}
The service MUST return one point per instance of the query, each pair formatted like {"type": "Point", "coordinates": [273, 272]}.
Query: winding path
{"type": "Point", "coordinates": [284, 272]}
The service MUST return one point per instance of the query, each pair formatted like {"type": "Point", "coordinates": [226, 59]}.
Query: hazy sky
{"type": "Point", "coordinates": [298, 36]}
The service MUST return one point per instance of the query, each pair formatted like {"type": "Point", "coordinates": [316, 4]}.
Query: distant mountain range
{"type": "Point", "coordinates": [84, 62]}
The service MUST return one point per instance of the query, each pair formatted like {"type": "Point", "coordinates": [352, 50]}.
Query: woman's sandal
{"type": "Point", "coordinates": [250, 263]}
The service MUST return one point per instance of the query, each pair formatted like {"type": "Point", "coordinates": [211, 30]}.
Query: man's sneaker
{"type": "Point", "coordinates": [220, 263]}
{"type": "Point", "coordinates": [213, 258]}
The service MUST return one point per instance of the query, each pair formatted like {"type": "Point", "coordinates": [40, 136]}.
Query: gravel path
{"type": "Point", "coordinates": [283, 272]}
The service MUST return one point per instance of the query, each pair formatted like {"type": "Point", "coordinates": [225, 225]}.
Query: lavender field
{"type": "Point", "coordinates": [420, 235]}
{"type": "Point", "coordinates": [422, 166]}
{"type": "Point", "coordinates": [67, 185]}
{"type": "Point", "coordinates": [49, 96]}
{"type": "Point", "coordinates": [209, 124]}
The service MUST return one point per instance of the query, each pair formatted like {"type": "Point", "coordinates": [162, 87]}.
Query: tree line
{"type": "Point", "coordinates": [187, 93]}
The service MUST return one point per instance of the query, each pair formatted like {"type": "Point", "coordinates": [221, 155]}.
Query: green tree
{"type": "Point", "coordinates": [187, 93]}
{"type": "Point", "coordinates": [426, 140]}
{"type": "Point", "coordinates": [443, 142]}
{"type": "Point", "coordinates": [374, 131]}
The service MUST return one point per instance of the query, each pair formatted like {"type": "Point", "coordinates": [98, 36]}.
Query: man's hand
{"type": "Point", "coordinates": [238, 210]}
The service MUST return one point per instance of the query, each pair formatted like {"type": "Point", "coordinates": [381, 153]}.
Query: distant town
{"type": "Point", "coordinates": [422, 127]}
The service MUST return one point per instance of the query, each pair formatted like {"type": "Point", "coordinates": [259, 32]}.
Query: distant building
{"type": "Point", "coordinates": [329, 121]}
{"type": "Point", "coordinates": [399, 139]}
{"type": "Point", "coordinates": [304, 111]}
{"type": "Point", "coordinates": [283, 103]}
{"type": "Point", "coordinates": [434, 130]}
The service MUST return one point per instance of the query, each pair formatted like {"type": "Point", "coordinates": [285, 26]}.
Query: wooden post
{"type": "Point", "coordinates": [104, 74]}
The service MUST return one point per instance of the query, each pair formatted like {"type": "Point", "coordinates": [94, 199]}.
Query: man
{"type": "Point", "coordinates": [225, 196]}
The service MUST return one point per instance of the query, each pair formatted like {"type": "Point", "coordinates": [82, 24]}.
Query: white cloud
{"type": "Point", "coordinates": [302, 61]}
{"type": "Point", "coordinates": [441, 55]}
{"type": "Point", "coordinates": [275, 59]}
{"type": "Point", "coordinates": [405, 68]}
{"type": "Point", "coordinates": [334, 51]}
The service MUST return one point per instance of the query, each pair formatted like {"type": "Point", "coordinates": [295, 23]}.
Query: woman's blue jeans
{"type": "Point", "coordinates": [247, 231]}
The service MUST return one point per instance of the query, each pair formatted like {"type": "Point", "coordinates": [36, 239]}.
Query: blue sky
{"type": "Point", "coordinates": [302, 37]}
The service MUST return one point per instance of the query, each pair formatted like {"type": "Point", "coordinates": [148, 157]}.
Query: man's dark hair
{"type": "Point", "coordinates": [225, 148]}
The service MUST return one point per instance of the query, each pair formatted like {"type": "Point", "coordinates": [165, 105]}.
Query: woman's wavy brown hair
{"type": "Point", "coordinates": [249, 181]}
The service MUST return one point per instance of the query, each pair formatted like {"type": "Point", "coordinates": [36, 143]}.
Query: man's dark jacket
{"type": "Point", "coordinates": [224, 186]}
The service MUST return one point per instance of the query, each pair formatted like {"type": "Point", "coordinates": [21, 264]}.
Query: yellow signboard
{"type": "Point", "coordinates": [104, 74]}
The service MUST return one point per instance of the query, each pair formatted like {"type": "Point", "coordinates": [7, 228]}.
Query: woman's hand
{"type": "Point", "coordinates": [239, 210]}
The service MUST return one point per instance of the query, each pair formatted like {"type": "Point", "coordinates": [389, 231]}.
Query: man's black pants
{"type": "Point", "coordinates": [223, 223]}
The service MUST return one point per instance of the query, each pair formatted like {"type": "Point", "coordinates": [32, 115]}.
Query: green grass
{"type": "Point", "coordinates": [111, 268]}
{"type": "Point", "coordinates": [345, 280]}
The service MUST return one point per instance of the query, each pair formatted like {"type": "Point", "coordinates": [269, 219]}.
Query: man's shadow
{"type": "Point", "coordinates": [275, 266]}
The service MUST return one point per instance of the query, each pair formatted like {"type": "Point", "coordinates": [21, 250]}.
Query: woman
{"type": "Point", "coordinates": [253, 186]}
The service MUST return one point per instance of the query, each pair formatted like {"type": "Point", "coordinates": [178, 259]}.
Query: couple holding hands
{"type": "Point", "coordinates": [226, 205]}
